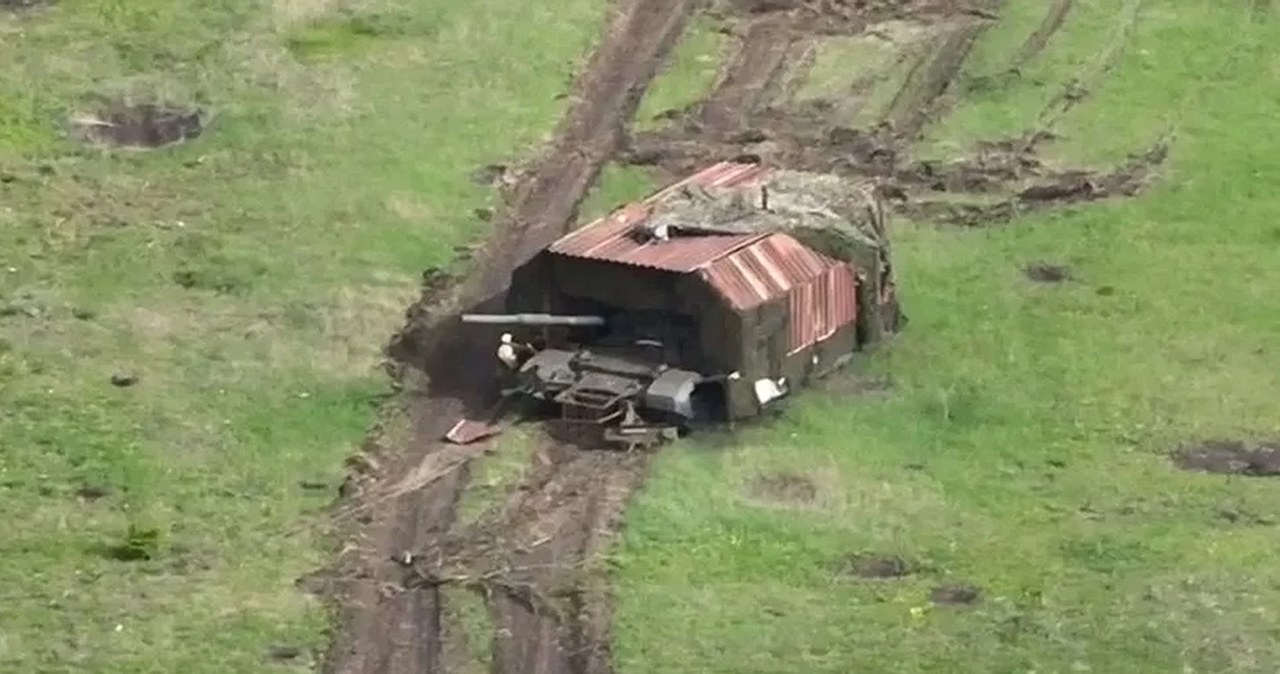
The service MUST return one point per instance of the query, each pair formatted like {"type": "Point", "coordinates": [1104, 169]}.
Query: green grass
{"type": "Point", "coordinates": [247, 278]}
{"type": "Point", "coordinates": [494, 472]}
{"type": "Point", "coordinates": [997, 104]}
{"type": "Point", "coordinates": [1022, 448]}
{"type": "Point", "coordinates": [467, 614]}
{"type": "Point", "coordinates": [619, 185]}
{"type": "Point", "coordinates": [835, 57]}
{"type": "Point", "coordinates": [688, 76]}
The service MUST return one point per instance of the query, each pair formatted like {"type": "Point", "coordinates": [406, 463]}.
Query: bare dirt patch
{"type": "Point", "coordinates": [955, 595]}
{"type": "Point", "coordinates": [877, 566]}
{"type": "Point", "coordinates": [146, 125]}
{"type": "Point", "coordinates": [1231, 457]}
{"type": "Point", "coordinates": [782, 489]}
{"type": "Point", "coordinates": [1047, 273]}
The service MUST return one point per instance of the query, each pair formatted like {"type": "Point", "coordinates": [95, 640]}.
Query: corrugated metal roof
{"type": "Point", "coordinates": [822, 306]}
{"type": "Point", "coordinates": [763, 270]}
{"type": "Point", "coordinates": [746, 269]}
{"type": "Point", "coordinates": [609, 238]}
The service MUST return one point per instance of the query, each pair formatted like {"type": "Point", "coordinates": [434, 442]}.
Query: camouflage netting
{"type": "Point", "coordinates": [834, 216]}
{"type": "Point", "coordinates": [837, 217]}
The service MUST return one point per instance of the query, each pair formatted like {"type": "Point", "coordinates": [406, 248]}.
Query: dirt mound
{"type": "Point", "coordinates": [782, 488]}
{"type": "Point", "coordinates": [1231, 457]}
{"type": "Point", "coordinates": [1047, 273]}
{"type": "Point", "coordinates": [955, 595]}
{"type": "Point", "coordinates": [146, 125]}
{"type": "Point", "coordinates": [877, 566]}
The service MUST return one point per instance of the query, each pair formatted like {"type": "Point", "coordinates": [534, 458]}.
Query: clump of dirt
{"type": "Point", "coordinates": [489, 175]}
{"type": "Point", "coordinates": [283, 653]}
{"type": "Point", "coordinates": [784, 488]}
{"type": "Point", "coordinates": [1231, 457]}
{"type": "Point", "coordinates": [92, 492]}
{"type": "Point", "coordinates": [1047, 273]}
{"type": "Point", "coordinates": [124, 379]}
{"type": "Point", "coordinates": [956, 595]}
{"type": "Point", "coordinates": [878, 566]}
{"type": "Point", "coordinates": [146, 125]}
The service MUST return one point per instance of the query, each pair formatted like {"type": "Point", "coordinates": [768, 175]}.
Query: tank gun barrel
{"type": "Point", "coordinates": [533, 319]}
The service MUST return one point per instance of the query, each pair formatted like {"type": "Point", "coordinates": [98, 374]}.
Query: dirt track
{"type": "Point", "coordinates": [388, 626]}
{"type": "Point", "coordinates": [536, 557]}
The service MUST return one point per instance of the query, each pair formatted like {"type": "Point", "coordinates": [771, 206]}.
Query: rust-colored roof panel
{"type": "Point", "coordinates": [822, 306]}
{"type": "Point", "coordinates": [609, 239]}
{"type": "Point", "coordinates": [764, 270]}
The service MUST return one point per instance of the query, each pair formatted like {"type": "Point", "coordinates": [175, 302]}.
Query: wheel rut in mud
{"type": "Point", "coordinates": [750, 116]}
{"type": "Point", "coordinates": [538, 557]}
{"type": "Point", "coordinates": [401, 500]}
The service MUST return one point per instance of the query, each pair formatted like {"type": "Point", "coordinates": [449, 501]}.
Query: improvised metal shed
{"type": "Point", "coordinates": [749, 301]}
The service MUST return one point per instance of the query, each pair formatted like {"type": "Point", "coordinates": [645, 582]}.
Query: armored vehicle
{"type": "Point", "coordinates": [705, 303]}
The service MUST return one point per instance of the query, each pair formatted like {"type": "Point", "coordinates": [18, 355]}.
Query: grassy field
{"type": "Point", "coordinates": [1021, 447]}
{"type": "Point", "coordinates": [247, 279]}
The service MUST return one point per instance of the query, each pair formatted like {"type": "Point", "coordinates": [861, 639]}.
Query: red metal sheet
{"type": "Point", "coordinates": [822, 306]}
{"type": "Point", "coordinates": [609, 238]}
{"type": "Point", "coordinates": [467, 431]}
{"type": "Point", "coordinates": [766, 269]}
